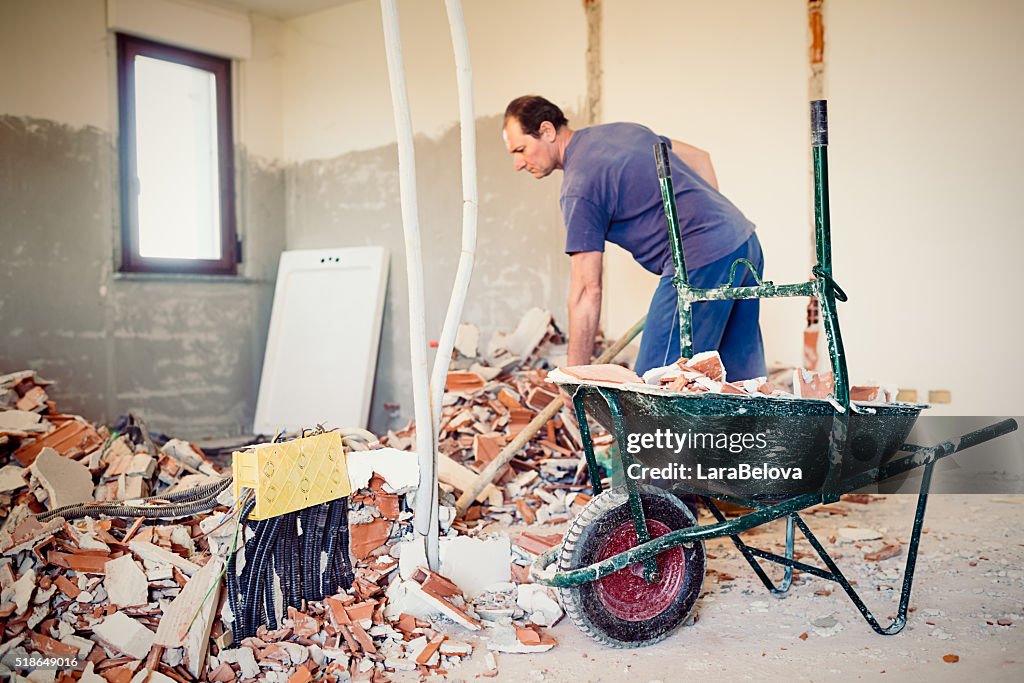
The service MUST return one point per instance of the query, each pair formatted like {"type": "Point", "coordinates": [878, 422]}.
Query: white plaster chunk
{"type": "Point", "coordinates": [467, 340]}
{"type": "Point", "coordinates": [42, 676]}
{"type": "Point", "coordinates": [538, 603]}
{"type": "Point", "coordinates": [90, 676]}
{"type": "Point", "coordinates": [125, 582]}
{"type": "Point", "coordinates": [245, 659]}
{"type": "Point", "coordinates": [472, 564]}
{"type": "Point", "coordinates": [20, 592]}
{"type": "Point", "coordinates": [12, 477]}
{"type": "Point", "coordinates": [532, 329]}
{"type": "Point", "coordinates": [22, 421]}
{"type": "Point", "coordinates": [122, 633]}
{"type": "Point", "coordinates": [66, 481]}
{"type": "Point", "coordinates": [400, 469]}
{"type": "Point", "coordinates": [147, 551]}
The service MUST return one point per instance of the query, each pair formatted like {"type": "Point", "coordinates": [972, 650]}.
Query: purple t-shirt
{"type": "Point", "coordinates": [610, 192]}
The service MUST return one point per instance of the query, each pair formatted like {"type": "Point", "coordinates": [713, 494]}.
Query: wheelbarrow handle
{"type": "Point", "coordinates": [986, 433]}
{"type": "Point", "coordinates": [539, 572]}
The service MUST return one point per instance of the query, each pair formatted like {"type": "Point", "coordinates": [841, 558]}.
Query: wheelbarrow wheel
{"type": "Point", "coordinates": [622, 609]}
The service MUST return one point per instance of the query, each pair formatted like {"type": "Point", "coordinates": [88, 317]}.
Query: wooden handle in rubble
{"type": "Point", "coordinates": [539, 420]}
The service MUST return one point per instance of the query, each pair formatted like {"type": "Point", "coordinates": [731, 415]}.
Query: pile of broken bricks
{"type": "Point", "coordinates": [143, 599]}
{"type": "Point", "coordinates": [490, 396]}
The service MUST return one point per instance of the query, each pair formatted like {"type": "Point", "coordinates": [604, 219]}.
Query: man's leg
{"type": "Point", "coordinates": [660, 342]}
{"type": "Point", "coordinates": [741, 345]}
{"type": "Point", "coordinates": [732, 326]}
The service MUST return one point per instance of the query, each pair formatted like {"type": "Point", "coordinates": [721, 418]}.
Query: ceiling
{"type": "Point", "coordinates": [287, 9]}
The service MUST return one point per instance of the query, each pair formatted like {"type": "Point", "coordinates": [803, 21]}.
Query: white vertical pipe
{"type": "Point", "coordinates": [425, 514]}
{"type": "Point", "coordinates": [467, 121]}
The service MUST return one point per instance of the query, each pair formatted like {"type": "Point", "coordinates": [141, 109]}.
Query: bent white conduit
{"type": "Point", "coordinates": [426, 493]}
{"type": "Point", "coordinates": [467, 122]}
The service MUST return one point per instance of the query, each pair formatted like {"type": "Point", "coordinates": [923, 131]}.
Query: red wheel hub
{"type": "Point", "coordinates": [625, 594]}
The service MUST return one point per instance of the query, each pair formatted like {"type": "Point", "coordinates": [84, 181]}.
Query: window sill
{"type": "Point", "coordinates": [187, 277]}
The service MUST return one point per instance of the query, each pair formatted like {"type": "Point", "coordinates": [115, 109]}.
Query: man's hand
{"type": "Point", "coordinates": [584, 305]}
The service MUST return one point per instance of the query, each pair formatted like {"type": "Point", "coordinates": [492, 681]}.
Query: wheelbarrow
{"type": "Point", "coordinates": [631, 566]}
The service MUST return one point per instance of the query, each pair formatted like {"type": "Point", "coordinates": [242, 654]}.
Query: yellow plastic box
{"type": "Point", "coordinates": [292, 475]}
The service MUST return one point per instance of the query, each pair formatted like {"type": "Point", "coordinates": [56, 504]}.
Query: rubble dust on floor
{"type": "Point", "coordinates": [967, 601]}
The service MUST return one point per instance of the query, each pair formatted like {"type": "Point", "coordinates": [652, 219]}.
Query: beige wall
{"type": "Point", "coordinates": [336, 92]}
{"type": "Point", "coordinates": [926, 108]}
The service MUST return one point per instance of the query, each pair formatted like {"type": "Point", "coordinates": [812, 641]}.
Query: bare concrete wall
{"type": "Point", "coordinates": [353, 200]}
{"type": "Point", "coordinates": [183, 352]}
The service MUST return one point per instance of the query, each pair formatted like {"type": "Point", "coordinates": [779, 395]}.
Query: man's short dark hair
{"type": "Point", "coordinates": [531, 111]}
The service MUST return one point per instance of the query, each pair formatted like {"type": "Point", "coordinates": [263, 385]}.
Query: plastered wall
{"type": "Point", "coordinates": [926, 150]}
{"type": "Point", "coordinates": [342, 176]}
{"type": "Point", "coordinates": [185, 353]}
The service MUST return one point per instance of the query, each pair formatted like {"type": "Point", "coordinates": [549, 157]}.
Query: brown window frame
{"type": "Point", "coordinates": [128, 47]}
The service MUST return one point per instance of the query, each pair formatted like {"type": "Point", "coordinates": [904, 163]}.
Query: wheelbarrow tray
{"type": "Point", "coordinates": [796, 433]}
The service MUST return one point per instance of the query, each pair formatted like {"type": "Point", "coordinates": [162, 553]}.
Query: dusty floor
{"type": "Point", "coordinates": [743, 633]}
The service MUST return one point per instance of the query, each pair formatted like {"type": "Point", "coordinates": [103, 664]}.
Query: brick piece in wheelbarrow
{"type": "Point", "coordinates": [608, 372]}
{"type": "Point", "coordinates": [871, 394]}
{"type": "Point", "coordinates": [709, 364]}
{"type": "Point", "coordinates": [809, 384]}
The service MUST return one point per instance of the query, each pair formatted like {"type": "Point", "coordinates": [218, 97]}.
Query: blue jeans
{"type": "Point", "coordinates": [729, 326]}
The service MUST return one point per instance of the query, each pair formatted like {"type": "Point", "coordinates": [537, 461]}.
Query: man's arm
{"type": "Point", "coordinates": [698, 160]}
{"type": "Point", "coordinates": [584, 305]}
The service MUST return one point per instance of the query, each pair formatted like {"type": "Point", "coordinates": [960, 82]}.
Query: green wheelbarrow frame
{"type": "Point", "coordinates": [827, 292]}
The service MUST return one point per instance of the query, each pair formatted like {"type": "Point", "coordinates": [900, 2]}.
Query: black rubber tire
{"type": "Point", "coordinates": [580, 546]}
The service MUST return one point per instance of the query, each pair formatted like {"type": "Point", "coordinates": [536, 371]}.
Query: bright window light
{"type": "Point", "coordinates": [178, 181]}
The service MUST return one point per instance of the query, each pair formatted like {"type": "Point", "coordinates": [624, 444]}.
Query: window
{"type": "Point", "coordinates": [177, 179]}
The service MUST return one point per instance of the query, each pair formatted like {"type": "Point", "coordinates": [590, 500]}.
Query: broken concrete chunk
{"type": "Point", "coordinates": [122, 633]}
{"type": "Point", "coordinates": [125, 582]}
{"type": "Point", "coordinates": [539, 604]}
{"type": "Point", "coordinates": [66, 481]}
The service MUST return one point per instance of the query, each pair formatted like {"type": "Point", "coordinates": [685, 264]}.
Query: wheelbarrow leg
{"type": "Point", "coordinates": [749, 553]}
{"type": "Point", "coordinates": [900, 621]}
{"type": "Point", "coordinates": [593, 469]}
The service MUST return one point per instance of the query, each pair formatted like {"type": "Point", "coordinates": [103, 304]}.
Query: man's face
{"type": "Point", "coordinates": [539, 156]}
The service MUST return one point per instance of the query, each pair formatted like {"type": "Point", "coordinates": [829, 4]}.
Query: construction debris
{"type": "Point", "coordinates": [705, 373]}
{"type": "Point", "coordinates": [143, 598]}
